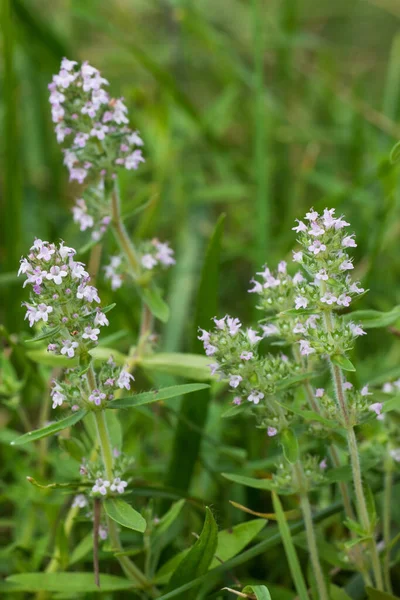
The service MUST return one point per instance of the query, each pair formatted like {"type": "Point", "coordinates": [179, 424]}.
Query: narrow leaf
{"type": "Point", "coordinates": [290, 446]}
{"type": "Point", "coordinates": [371, 319]}
{"type": "Point", "coordinates": [120, 511]}
{"type": "Point", "coordinates": [44, 335]}
{"type": "Point", "coordinates": [374, 594]}
{"type": "Point", "coordinates": [343, 362]}
{"type": "Point", "coordinates": [152, 297]}
{"type": "Point", "coordinates": [259, 484]}
{"type": "Point", "coordinates": [191, 366]}
{"type": "Point", "coordinates": [155, 396]}
{"type": "Point", "coordinates": [199, 558]}
{"type": "Point", "coordinates": [51, 429]}
{"type": "Point", "coordinates": [260, 591]}
{"type": "Point", "coordinates": [77, 583]}
{"type": "Point", "coordinates": [290, 550]}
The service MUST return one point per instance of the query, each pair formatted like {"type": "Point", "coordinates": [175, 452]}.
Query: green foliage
{"type": "Point", "coordinates": [121, 512]}
{"type": "Point", "coordinates": [73, 583]}
{"type": "Point", "coordinates": [260, 591]}
{"type": "Point", "coordinates": [256, 113]}
{"type": "Point", "coordinates": [164, 394]}
{"type": "Point", "coordinates": [198, 559]}
{"type": "Point", "coordinates": [51, 429]}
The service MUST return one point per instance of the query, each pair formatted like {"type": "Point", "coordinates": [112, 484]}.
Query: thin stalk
{"type": "Point", "coordinates": [310, 533]}
{"type": "Point", "coordinates": [121, 234]}
{"type": "Point", "coordinates": [361, 503]}
{"type": "Point", "coordinates": [387, 497]}
{"type": "Point", "coordinates": [290, 550]}
{"type": "Point", "coordinates": [127, 565]}
{"type": "Point", "coordinates": [344, 490]}
{"type": "Point", "coordinates": [333, 454]}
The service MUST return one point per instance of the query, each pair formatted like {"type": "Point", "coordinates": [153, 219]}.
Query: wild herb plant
{"type": "Point", "coordinates": [304, 314]}
{"type": "Point", "coordinates": [304, 336]}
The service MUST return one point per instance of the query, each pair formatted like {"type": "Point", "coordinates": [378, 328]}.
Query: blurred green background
{"type": "Point", "coordinates": [256, 109]}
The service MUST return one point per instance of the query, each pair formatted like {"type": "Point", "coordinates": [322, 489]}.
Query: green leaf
{"type": "Point", "coordinates": [337, 593]}
{"type": "Point", "coordinates": [198, 559]}
{"type": "Point", "coordinates": [260, 591]}
{"type": "Point", "coordinates": [289, 381]}
{"type": "Point", "coordinates": [163, 394]}
{"type": "Point", "coordinates": [44, 335]}
{"type": "Point", "coordinates": [234, 411]}
{"type": "Point", "coordinates": [374, 594]}
{"type": "Point", "coordinates": [191, 366]}
{"type": "Point", "coordinates": [343, 473]}
{"type": "Point", "coordinates": [290, 446]}
{"type": "Point", "coordinates": [120, 511]}
{"type": "Point", "coordinates": [168, 519]}
{"type": "Point", "coordinates": [51, 429]}
{"type": "Point", "coordinates": [259, 484]}
{"type": "Point", "coordinates": [73, 447]}
{"type": "Point", "coordinates": [78, 583]}
{"type": "Point", "coordinates": [290, 550]}
{"type": "Point", "coordinates": [82, 549]}
{"type": "Point", "coordinates": [343, 362]}
{"type": "Point", "coordinates": [371, 319]}
{"type": "Point", "coordinates": [42, 357]}
{"type": "Point", "coordinates": [230, 542]}
{"type": "Point", "coordinates": [310, 415]}
{"type": "Point", "coordinates": [72, 485]}
{"type": "Point", "coordinates": [152, 297]}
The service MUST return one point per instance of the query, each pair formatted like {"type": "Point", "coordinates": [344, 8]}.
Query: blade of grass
{"type": "Point", "coordinates": [12, 187]}
{"type": "Point", "coordinates": [262, 213]}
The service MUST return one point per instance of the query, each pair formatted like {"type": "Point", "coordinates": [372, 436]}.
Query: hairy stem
{"type": "Point", "coordinates": [122, 235]}
{"type": "Point", "coordinates": [310, 533]}
{"type": "Point", "coordinates": [361, 503]}
{"type": "Point", "coordinates": [127, 565]}
{"type": "Point", "coordinates": [344, 490]}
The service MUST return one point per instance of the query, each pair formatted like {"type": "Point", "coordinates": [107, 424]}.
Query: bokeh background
{"type": "Point", "coordinates": [257, 109]}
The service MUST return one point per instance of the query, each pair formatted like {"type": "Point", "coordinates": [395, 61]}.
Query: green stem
{"type": "Point", "coordinates": [387, 497]}
{"type": "Point", "coordinates": [122, 235]}
{"type": "Point", "coordinates": [104, 440]}
{"type": "Point", "coordinates": [127, 565]}
{"type": "Point", "coordinates": [333, 454]}
{"type": "Point", "coordinates": [310, 533]}
{"type": "Point", "coordinates": [362, 509]}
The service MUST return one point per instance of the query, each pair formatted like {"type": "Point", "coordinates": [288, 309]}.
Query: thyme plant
{"type": "Point", "coordinates": [291, 373]}
{"type": "Point", "coordinates": [307, 315]}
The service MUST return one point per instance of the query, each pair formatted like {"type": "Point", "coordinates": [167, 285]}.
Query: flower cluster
{"type": "Point", "coordinates": [360, 404]}
{"type": "Point", "coordinates": [94, 124]}
{"type": "Point", "coordinates": [328, 286]}
{"type": "Point", "coordinates": [277, 292]}
{"type": "Point", "coordinates": [92, 211]}
{"type": "Point", "coordinates": [74, 390]}
{"type": "Point", "coordinates": [251, 376]}
{"type": "Point", "coordinates": [314, 475]}
{"type": "Point", "coordinates": [153, 255]}
{"type": "Point", "coordinates": [62, 298]}
{"type": "Point", "coordinates": [93, 475]}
